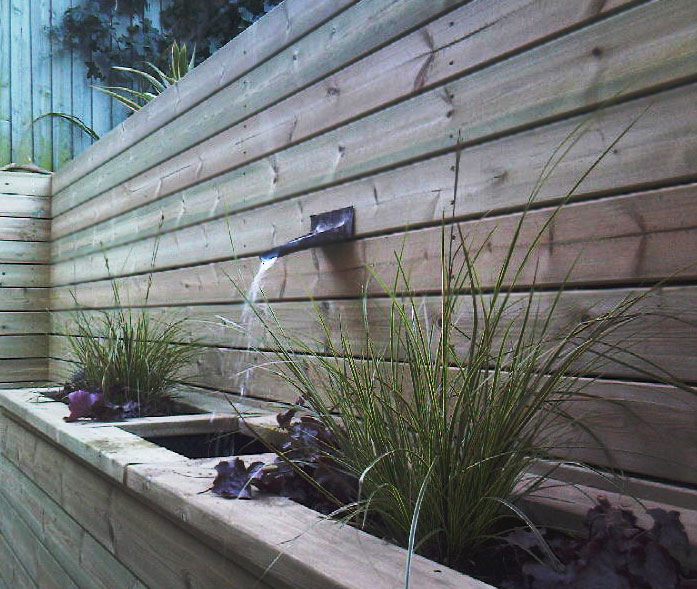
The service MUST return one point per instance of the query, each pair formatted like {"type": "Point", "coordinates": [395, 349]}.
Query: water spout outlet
{"type": "Point", "coordinates": [325, 228]}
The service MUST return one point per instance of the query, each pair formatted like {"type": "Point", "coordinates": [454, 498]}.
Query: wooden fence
{"type": "Point", "coordinates": [24, 276]}
{"type": "Point", "coordinates": [325, 104]}
{"type": "Point", "coordinates": [37, 76]}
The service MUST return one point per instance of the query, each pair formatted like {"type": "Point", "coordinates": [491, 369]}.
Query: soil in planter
{"type": "Point", "coordinates": [210, 445]}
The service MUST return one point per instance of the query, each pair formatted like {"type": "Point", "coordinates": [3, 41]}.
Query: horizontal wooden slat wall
{"type": "Point", "coordinates": [363, 107]}
{"type": "Point", "coordinates": [24, 277]}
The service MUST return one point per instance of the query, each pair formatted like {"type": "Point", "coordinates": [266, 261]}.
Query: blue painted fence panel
{"type": "Point", "coordinates": [37, 76]}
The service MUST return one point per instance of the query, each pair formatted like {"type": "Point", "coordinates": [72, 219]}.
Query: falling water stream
{"type": "Point", "coordinates": [247, 320]}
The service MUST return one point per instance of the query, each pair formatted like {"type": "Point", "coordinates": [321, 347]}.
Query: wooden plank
{"type": "Point", "coordinates": [25, 183]}
{"type": "Point", "coordinates": [498, 175]}
{"type": "Point", "coordinates": [14, 371]}
{"type": "Point", "coordinates": [23, 323]}
{"type": "Point", "coordinates": [473, 35]}
{"type": "Point", "coordinates": [666, 338]}
{"type": "Point", "coordinates": [415, 196]}
{"type": "Point", "coordinates": [5, 82]}
{"type": "Point", "coordinates": [269, 35]}
{"type": "Point", "coordinates": [101, 108]}
{"type": "Point", "coordinates": [23, 346]}
{"type": "Point", "coordinates": [41, 82]}
{"type": "Point", "coordinates": [22, 275]}
{"type": "Point", "coordinates": [17, 205]}
{"type": "Point", "coordinates": [22, 298]}
{"type": "Point", "coordinates": [24, 252]}
{"type": "Point", "coordinates": [21, 229]}
{"type": "Point", "coordinates": [21, 82]}
{"type": "Point", "coordinates": [81, 99]}
{"type": "Point", "coordinates": [87, 561]}
{"type": "Point", "coordinates": [350, 35]}
{"type": "Point", "coordinates": [11, 570]}
{"type": "Point", "coordinates": [317, 554]}
{"type": "Point", "coordinates": [432, 121]}
{"type": "Point", "coordinates": [39, 563]}
{"type": "Point", "coordinates": [616, 227]}
{"type": "Point", "coordinates": [167, 556]}
{"type": "Point", "coordinates": [637, 424]}
{"type": "Point", "coordinates": [61, 92]}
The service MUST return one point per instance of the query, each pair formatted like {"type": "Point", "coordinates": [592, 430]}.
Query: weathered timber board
{"type": "Point", "coordinates": [164, 557]}
{"type": "Point", "coordinates": [353, 33]}
{"type": "Point", "coordinates": [22, 275]}
{"type": "Point", "coordinates": [25, 184]}
{"type": "Point", "coordinates": [12, 573]}
{"type": "Point", "coordinates": [24, 229]}
{"type": "Point", "coordinates": [87, 561]}
{"type": "Point", "coordinates": [640, 234]}
{"type": "Point", "coordinates": [23, 323]}
{"type": "Point", "coordinates": [23, 346]}
{"type": "Point", "coordinates": [282, 27]}
{"type": "Point", "coordinates": [17, 205]}
{"type": "Point", "coordinates": [23, 370]}
{"type": "Point", "coordinates": [666, 338]}
{"type": "Point", "coordinates": [24, 252]}
{"type": "Point", "coordinates": [37, 560]}
{"type": "Point", "coordinates": [20, 298]}
{"type": "Point", "coordinates": [468, 37]}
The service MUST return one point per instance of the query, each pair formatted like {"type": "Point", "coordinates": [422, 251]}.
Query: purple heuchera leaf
{"type": "Point", "coordinates": [81, 404]}
{"type": "Point", "coordinates": [615, 553]}
{"type": "Point", "coordinates": [94, 405]}
{"type": "Point", "coordinates": [234, 480]}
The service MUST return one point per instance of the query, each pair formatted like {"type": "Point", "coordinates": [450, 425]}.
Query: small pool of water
{"type": "Point", "coordinates": [210, 445]}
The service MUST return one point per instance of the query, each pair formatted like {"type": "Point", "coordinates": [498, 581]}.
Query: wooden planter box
{"type": "Point", "coordinates": [91, 504]}
{"type": "Point", "coordinates": [95, 504]}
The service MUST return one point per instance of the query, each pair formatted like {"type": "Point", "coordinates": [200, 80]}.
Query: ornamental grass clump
{"type": "Point", "coordinates": [439, 420]}
{"type": "Point", "coordinates": [129, 359]}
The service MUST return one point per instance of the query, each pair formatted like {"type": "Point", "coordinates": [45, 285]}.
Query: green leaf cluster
{"type": "Point", "coordinates": [108, 33]}
{"type": "Point", "coordinates": [130, 355]}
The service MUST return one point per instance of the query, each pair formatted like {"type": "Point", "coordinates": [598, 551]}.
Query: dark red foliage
{"type": "Point", "coordinates": [83, 404]}
{"type": "Point", "coordinates": [234, 480]}
{"type": "Point", "coordinates": [308, 471]}
{"type": "Point", "coordinates": [615, 553]}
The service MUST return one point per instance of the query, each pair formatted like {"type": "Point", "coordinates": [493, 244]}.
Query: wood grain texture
{"type": "Point", "coordinates": [39, 563]}
{"type": "Point", "coordinates": [166, 556]}
{"type": "Point", "coordinates": [23, 323]}
{"type": "Point", "coordinates": [17, 205]}
{"type": "Point", "coordinates": [621, 227]}
{"type": "Point", "coordinates": [665, 335]}
{"type": "Point", "coordinates": [468, 37]}
{"type": "Point", "coordinates": [21, 298]}
{"type": "Point", "coordinates": [12, 573]}
{"type": "Point", "coordinates": [22, 275]}
{"type": "Point", "coordinates": [25, 184]}
{"type": "Point", "coordinates": [41, 82]}
{"type": "Point", "coordinates": [85, 559]}
{"type": "Point", "coordinates": [495, 176]}
{"type": "Point", "coordinates": [280, 28]}
{"type": "Point", "coordinates": [5, 94]}
{"type": "Point", "coordinates": [352, 34]}
{"type": "Point", "coordinates": [24, 252]}
{"type": "Point", "coordinates": [25, 229]}
{"type": "Point", "coordinates": [23, 370]}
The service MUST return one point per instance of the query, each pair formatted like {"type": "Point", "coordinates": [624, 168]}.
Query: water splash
{"type": "Point", "coordinates": [247, 320]}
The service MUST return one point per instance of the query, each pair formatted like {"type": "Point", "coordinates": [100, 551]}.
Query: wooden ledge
{"type": "Point", "coordinates": [277, 540]}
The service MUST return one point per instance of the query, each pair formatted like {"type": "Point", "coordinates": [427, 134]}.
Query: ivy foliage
{"type": "Point", "coordinates": [108, 33]}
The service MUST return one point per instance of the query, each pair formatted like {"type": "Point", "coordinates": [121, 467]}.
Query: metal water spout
{"type": "Point", "coordinates": [325, 228]}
